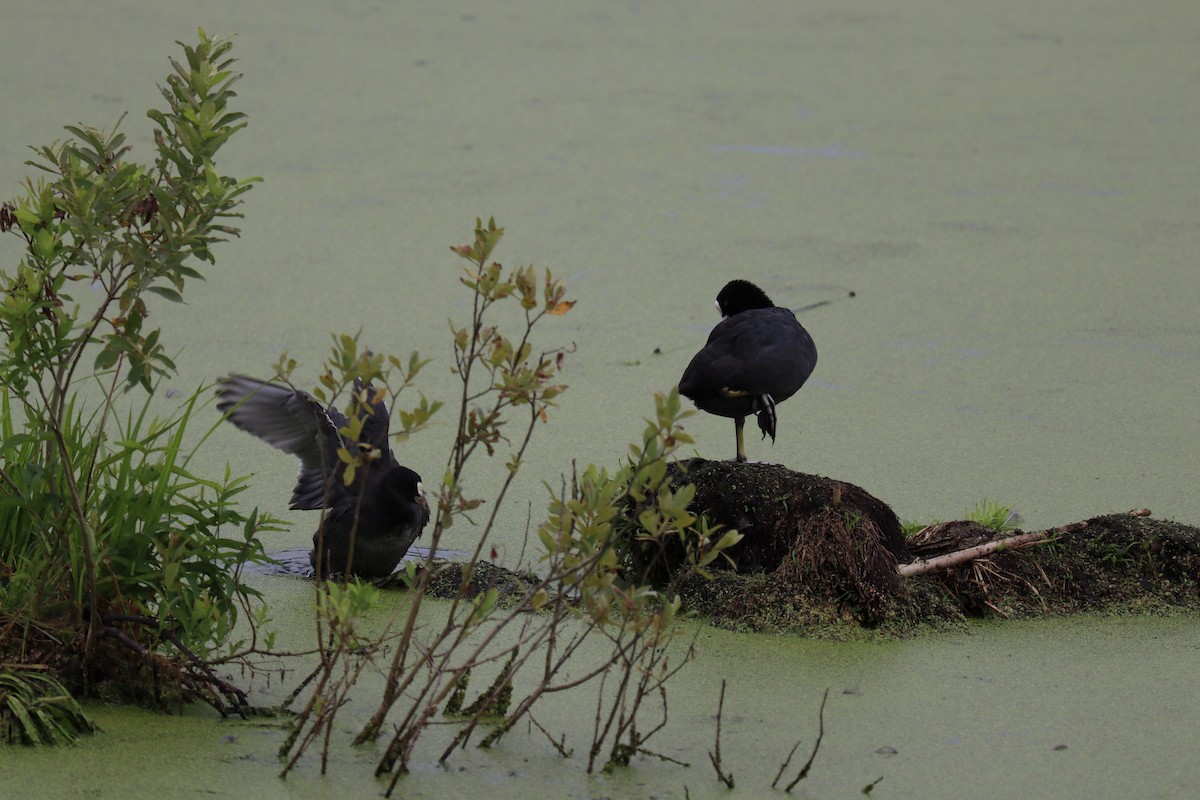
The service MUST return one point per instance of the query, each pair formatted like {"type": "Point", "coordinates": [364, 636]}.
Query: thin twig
{"type": "Point", "coordinates": [715, 755]}
{"type": "Point", "coordinates": [291, 698]}
{"type": "Point", "coordinates": [661, 757]}
{"type": "Point", "coordinates": [871, 786]}
{"type": "Point", "coordinates": [559, 744]}
{"type": "Point", "coordinates": [785, 763]}
{"type": "Point", "coordinates": [816, 745]}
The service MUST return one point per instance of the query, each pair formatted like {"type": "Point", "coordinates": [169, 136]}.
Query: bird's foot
{"type": "Point", "coordinates": [764, 412]}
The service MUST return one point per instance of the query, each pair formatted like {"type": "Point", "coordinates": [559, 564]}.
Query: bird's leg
{"type": "Point", "coordinates": [738, 422]}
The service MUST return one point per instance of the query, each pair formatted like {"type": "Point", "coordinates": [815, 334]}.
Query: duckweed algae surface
{"type": "Point", "coordinates": [1005, 188]}
{"type": "Point", "coordinates": [1095, 706]}
{"type": "Point", "coordinates": [1000, 187]}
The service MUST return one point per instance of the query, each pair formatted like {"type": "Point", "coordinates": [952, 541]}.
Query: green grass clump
{"type": "Point", "coordinates": [36, 709]}
{"type": "Point", "coordinates": [991, 515]}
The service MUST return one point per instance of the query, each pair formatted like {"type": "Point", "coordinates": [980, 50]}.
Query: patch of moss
{"type": "Point", "coordinates": [451, 578]}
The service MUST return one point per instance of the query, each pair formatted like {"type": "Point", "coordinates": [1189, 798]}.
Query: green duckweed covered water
{"type": "Point", "coordinates": [1059, 708]}
{"type": "Point", "coordinates": [1008, 189]}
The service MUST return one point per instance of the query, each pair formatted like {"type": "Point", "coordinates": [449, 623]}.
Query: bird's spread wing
{"type": "Point", "coordinates": [376, 422]}
{"type": "Point", "coordinates": [294, 422]}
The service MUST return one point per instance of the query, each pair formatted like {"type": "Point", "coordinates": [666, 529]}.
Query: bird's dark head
{"type": "Point", "coordinates": [405, 486]}
{"type": "Point", "coordinates": [739, 296]}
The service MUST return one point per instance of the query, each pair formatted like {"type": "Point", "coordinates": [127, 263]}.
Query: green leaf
{"type": "Point", "coordinates": [106, 358]}
{"type": "Point", "coordinates": [229, 118]}
{"type": "Point", "coordinates": [167, 292]}
{"type": "Point", "coordinates": [213, 180]}
{"type": "Point", "coordinates": [44, 244]}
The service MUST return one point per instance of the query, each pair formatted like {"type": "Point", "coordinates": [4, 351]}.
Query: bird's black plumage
{"type": "Point", "coordinates": [756, 357]}
{"type": "Point", "coordinates": [372, 521]}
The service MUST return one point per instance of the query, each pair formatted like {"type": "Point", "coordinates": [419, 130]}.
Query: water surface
{"type": "Point", "coordinates": [1009, 189]}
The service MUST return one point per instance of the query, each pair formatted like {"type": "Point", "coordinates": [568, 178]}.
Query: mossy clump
{"type": "Point", "coordinates": [1117, 562]}
{"type": "Point", "coordinates": [815, 551]}
{"type": "Point", "coordinates": [820, 556]}
{"type": "Point", "coordinates": [452, 579]}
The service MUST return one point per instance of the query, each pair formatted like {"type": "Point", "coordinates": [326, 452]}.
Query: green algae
{"type": "Point", "coordinates": [982, 710]}
{"type": "Point", "coordinates": [1001, 185]}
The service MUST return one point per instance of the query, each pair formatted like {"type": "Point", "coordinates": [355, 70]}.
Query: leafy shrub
{"type": "Point", "coordinates": [115, 558]}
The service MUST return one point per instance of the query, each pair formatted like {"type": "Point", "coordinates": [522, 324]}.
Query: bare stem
{"type": "Point", "coordinates": [811, 756]}
{"type": "Point", "coordinates": [715, 755]}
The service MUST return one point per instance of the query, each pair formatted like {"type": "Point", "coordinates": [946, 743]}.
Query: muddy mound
{"type": "Point", "coordinates": [776, 509]}
{"type": "Point", "coordinates": [825, 557]}
{"type": "Point", "coordinates": [814, 535]}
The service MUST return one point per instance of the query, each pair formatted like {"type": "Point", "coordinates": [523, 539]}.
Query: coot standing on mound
{"type": "Point", "coordinates": [392, 511]}
{"type": "Point", "coordinates": [756, 357]}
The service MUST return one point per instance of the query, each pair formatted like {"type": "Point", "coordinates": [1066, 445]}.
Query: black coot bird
{"type": "Point", "coordinates": [756, 357]}
{"type": "Point", "coordinates": [370, 523]}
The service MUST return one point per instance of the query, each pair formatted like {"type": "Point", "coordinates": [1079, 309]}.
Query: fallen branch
{"type": "Point", "coordinates": [560, 744]}
{"type": "Point", "coordinates": [922, 566]}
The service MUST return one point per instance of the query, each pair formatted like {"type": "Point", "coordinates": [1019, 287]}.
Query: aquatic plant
{"type": "Point", "coordinates": [121, 565]}
{"type": "Point", "coordinates": [35, 708]}
{"type": "Point", "coordinates": [583, 588]}
{"type": "Point", "coordinates": [990, 514]}
{"type": "Point", "coordinates": [994, 516]}
{"type": "Point", "coordinates": [118, 563]}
